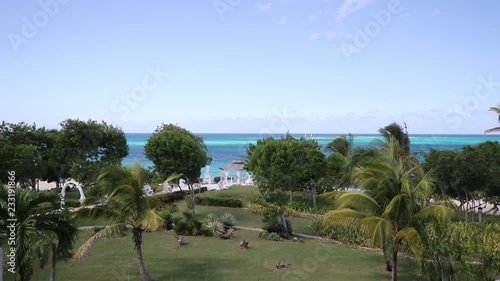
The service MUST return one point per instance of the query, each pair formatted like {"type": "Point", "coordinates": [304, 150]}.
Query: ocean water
{"type": "Point", "coordinates": [224, 148]}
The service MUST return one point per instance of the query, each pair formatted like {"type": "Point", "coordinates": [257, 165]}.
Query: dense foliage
{"type": "Point", "coordinates": [175, 150]}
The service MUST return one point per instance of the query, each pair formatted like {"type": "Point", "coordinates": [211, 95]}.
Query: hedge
{"type": "Point", "coordinates": [218, 202]}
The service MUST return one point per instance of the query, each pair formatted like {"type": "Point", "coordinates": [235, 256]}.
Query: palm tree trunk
{"type": "Point", "coordinates": [394, 266]}
{"type": "Point", "coordinates": [53, 264]}
{"type": "Point", "coordinates": [387, 256]}
{"type": "Point", "coordinates": [137, 237]}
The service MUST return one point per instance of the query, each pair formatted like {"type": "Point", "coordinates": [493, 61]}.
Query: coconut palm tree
{"type": "Point", "coordinates": [123, 201]}
{"type": "Point", "coordinates": [37, 216]}
{"type": "Point", "coordinates": [495, 109]}
{"type": "Point", "coordinates": [342, 145]}
{"type": "Point", "coordinates": [397, 132]}
{"type": "Point", "coordinates": [57, 245]}
{"type": "Point", "coordinates": [394, 205]}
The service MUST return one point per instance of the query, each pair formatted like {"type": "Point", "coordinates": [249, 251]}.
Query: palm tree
{"type": "Point", "coordinates": [397, 132]}
{"type": "Point", "coordinates": [37, 216]}
{"type": "Point", "coordinates": [124, 202]}
{"type": "Point", "coordinates": [394, 205]}
{"type": "Point", "coordinates": [342, 145]}
{"type": "Point", "coordinates": [495, 109]}
{"type": "Point", "coordinates": [57, 245]}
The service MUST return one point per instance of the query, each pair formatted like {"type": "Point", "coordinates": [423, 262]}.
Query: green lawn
{"type": "Point", "coordinates": [208, 258]}
{"type": "Point", "coordinates": [246, 193]}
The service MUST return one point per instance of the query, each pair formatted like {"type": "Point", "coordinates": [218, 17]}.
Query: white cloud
{"type": "Point", "coordinates": [314, 36]}
{"type": "Point", "coordinates": [264, 7]}
{"type": "Point", "coordinates": [331, 34]}
{"type": "Point", "coordinates": [350, 6]}
{"type": "Point", "coordinates": [283, 20]}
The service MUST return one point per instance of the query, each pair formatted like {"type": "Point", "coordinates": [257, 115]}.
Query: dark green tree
{"type": "Point", "coordinates": [175, 150]}
{"type": "Point", "coordinates": [83, 148]}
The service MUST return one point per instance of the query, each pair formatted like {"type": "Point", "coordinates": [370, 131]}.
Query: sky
{"type": "Point", "coordinates": [241, 66]}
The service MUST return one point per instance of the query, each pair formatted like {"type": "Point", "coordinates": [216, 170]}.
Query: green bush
{"type": "Point", "coordinates": [189, 225]}
{"type": "Point", "coordinates": [172, 208]}
{"type": "Point", "coordinates": [350, 232]}
{"type": "Point", "coordinates": [270, 236]}
{"type": "Point", "coordinates": [173, 196]}
{"type": "Point", "coordinates": [72, 204]}
{"type": "Point", "coordinates": [217, 202]}
{"type": "Point", "coordinates": [217, 179]}
{"type": "Point", "coordinates": [167, 219]}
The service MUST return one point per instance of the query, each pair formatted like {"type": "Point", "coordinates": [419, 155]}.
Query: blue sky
{"type": "Point", "coordinates": [315, 66]}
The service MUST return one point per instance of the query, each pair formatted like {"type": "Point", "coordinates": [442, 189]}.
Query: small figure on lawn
{"type": "Point", "coordinates": [180, 240]}
{"type": "Point", "coordinates": [281, 264]}
{"type": "Point", "coordinates": [244, 244]}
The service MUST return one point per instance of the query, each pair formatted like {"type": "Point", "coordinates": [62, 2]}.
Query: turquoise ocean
{"type": "Point", "coordinates": [224, 148]}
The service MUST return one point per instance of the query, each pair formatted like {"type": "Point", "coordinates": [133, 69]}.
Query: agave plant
{"type": "Point", "coordinates": [228, 220]}
{"type": "Point", "coordinates": [215, 227]}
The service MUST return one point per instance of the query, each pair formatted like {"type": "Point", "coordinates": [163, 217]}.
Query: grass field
{"type": "Point", "coordinates": [208, 258]}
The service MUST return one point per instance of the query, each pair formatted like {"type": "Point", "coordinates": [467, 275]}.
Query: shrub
{"type": "Point", "coordinates": [219, 202]}
{"type": "Point", "coordinates": [215, 227]}
{"type": "Point", "coordinates": [217, 179]}
{"type": "Point", "coordinates": [172, 208]}
{"type": "Point", "coordinates": [273, 225]}
{"type": "Point", "coordinates": [256, 209]}
{"type": "Point", "coordinates": [228, 220]}
{"type": "Point", "coordinates": [72, 204]}
{"type": "Point", "coordinates": [173, 196]}
{"type": "Point", "coordinates": [167, 219]}
{"type": "Point", "coordinates": [270, 236]}
{"type": "Point", "coordinates": [189, 225]}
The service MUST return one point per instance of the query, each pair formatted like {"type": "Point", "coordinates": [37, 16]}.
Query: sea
{"type": "Point", "coordinates": [225, 148]}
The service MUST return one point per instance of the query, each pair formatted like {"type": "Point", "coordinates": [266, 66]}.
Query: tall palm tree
{"type": "Point", "coordinates": [37, 215]}
{"type": "Point", "coordinates": [342, 145]}
{"type": "Point", "coordinates": [124, 202]}
{"type": "Point", "coordinates": [495, 109]}
{"type": "Point", "coordinates": [394, 205]}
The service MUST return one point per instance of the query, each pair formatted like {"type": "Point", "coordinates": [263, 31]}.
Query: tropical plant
{"type": "Point", "coordinates": [495, 109]}
{"type": "Point", "coordinates": [394, 205]}
{"type": "Point", "coordinates": [39, 221]}
{"type": "Point", "coordinates": [125, 204]}
{"type": "Point", "coordinates": [343, 145]}
{"type": "Point", "coordinates": [57, 245]}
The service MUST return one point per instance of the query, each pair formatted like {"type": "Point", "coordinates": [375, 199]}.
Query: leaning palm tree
{"type": "Point", "coordinates": [342, 145]}
{"type": "Point", "coordinates": [495, 109]}
{"type": "Point", "coordinates": [123, 200]}
{"type": "Point", "coordinates": [394, 205]}
{"type": "Point", "coordinates": [397, 132]}
{"type": "Point", "coordinates": [37, 215]}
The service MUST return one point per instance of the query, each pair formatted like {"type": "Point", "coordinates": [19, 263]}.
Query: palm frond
{"type": "Point", "coordinates": [358, 201]}
{"type": "Point", "coordinates": [107, 232]}
{"type": "Point", "coordinates": [434, 212]}
{"type": "Point", "coordinates": [413, 239]}
{"type": "Point", "coordinates": [492, 130]}
{"type": "Point", "coordinates": [152, 220]}
{"type": "Point", "coordinates": [380, 228]}
{"type": "Point", "coordinates": [342, 216]}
